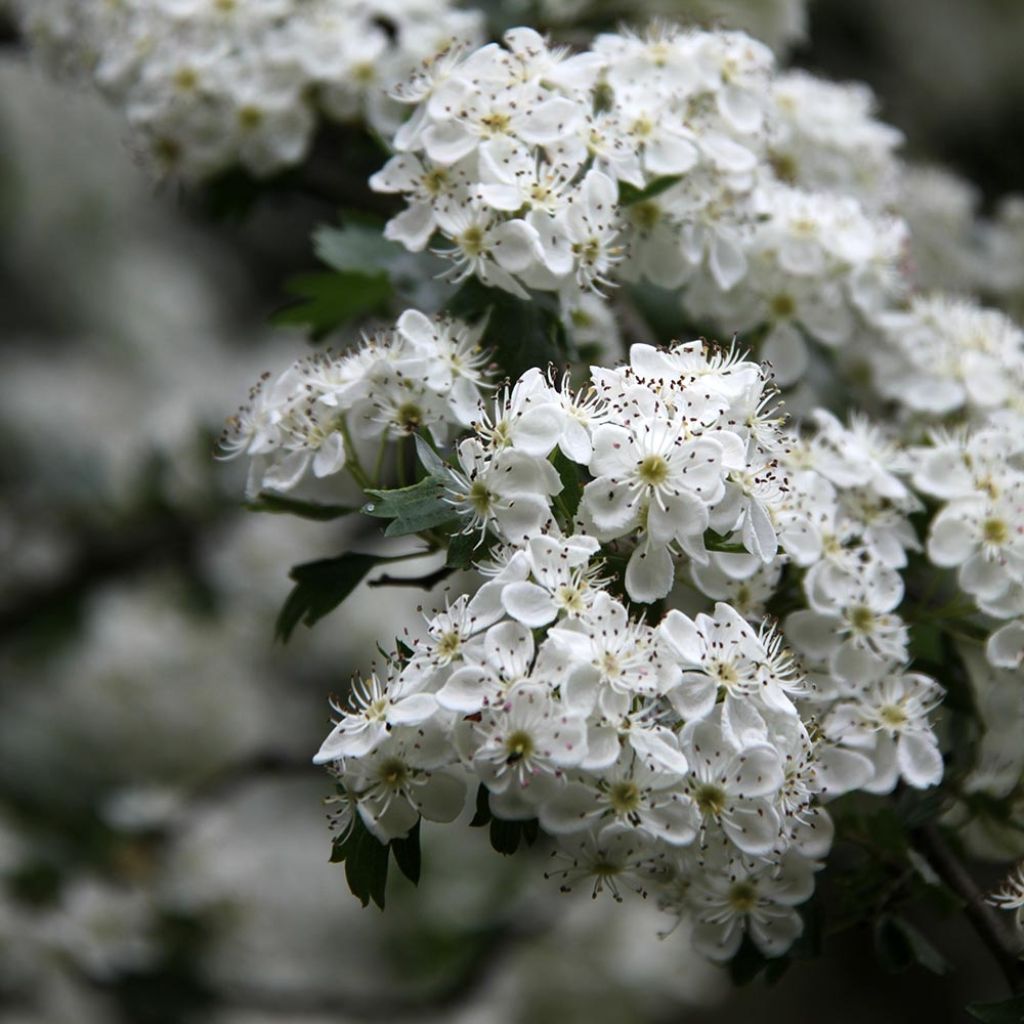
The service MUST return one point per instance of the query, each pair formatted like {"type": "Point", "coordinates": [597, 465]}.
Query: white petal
{"type": "Point", "coordinates": [1005, 647]}
{"type": "Point", "coordinates": [442, 798]}
{"type": "Point", "coordinates": [649, 572]}
{"type": "Point", "coordinates": [919, 760]}
{"type": "Point", "coordinates": [529, 604]}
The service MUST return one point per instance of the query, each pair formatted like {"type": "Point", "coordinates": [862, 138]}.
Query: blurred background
{"type": "Point", "coordinates": [163, 845]}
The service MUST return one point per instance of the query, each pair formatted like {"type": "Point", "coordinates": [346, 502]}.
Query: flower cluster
{"type": "Point", "coordinates": [687, 756]}
{"type": "Point", "coordinates": [817, 266]}
{"type": "Point", "coordinates": [207, 84]}
{"type": "Point", "coordinates": [943, 356]}
{"type": "Point", "coordinates": [520, 157]}
{"type": "Point", "coordinates": [327, 412]}
{"type": "Point", "coordinates": [979, 530]}
{"type": "Point", "coordinates": [677, 157]}
{"type": "Point", "coordinates": [825, 137]}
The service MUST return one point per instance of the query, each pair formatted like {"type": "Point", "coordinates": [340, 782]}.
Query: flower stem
{"type": "Point", "coordinates": [985, 919]}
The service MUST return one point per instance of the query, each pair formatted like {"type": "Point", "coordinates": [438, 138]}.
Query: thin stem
{"type": "Point", "coordinates": [379, 465]}
{"type": "Point", "coordinates": [400, 463]}
{"type": "Point", "coordinates": [352, 463]}
{"type": "Point", "coordinates": [985, 919]}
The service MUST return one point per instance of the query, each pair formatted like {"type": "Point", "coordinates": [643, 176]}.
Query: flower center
{"type": "Point", "coordinates": [711, 799]}
{"type": "Point", "coordinates": [624, 797]}
{"type": "Point", "coordinates": [409, 416]}
{"type": "Point", "coordinates": [519, 746]}
{"type": "Point", "coordinates": [570, 598]}
{"type": "Point", "coordinates": [893, 716]}
{"type": "Point", "coordinates": [653, 470]}
{"type": "Point", "coordinates": [783, 306]}
{"type": "Point", "coordinates": [435, 180]}
{"type": "Point", "coordinates": [645, 215]}
{"type": "Point", "coordinates": [449, 644]}
{"type": "Point", "coordinates": [862, 619]}
{"type": "Point", "coordinates": [496, 123]}
{"type": "Point", "coordinates": [743, 897]}
{"type": "Point", "coordinates": [394, 774]}
{"type": "Point", "coordinates": [480, 498]}
{"type": "Point", "coordinates": [995, 531]}
{"type": "Point", "coordinates": [472, 241]}
{"type": "Point", "coordinates": [588, 251]}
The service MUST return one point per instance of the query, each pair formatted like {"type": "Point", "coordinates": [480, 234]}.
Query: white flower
{"type": "Point", "coordinates": [888, 720]}
{"type": "Point", "coordinates": [733, 788]}
{"type": "Point", "coordinates": [732, 897]}
{"type": "Point", "coordinates": [375, 707]}
{"type": "Point", "coordinates": [529, 735]}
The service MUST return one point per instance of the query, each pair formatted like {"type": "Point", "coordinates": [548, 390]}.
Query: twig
{"type": "Point", "coordinates": [985, 919]}
{"type": "Point", "coordinates": [424, 582]}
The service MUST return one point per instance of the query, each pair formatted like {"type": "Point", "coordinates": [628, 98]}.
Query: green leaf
{"type": "Point", "coordinates": [892, 947]}
{"type": "Point", "coordinates": [926, 642]}
{"type": "Point", "coordinates": [358, 247]}
{"type": "Point", "coordinates": [366, 866]}
{"type": "Point", "coordinates": [407, 854]}
{"type": "Point", "coordinates": [899, 945]}
{"type": "Point", "coordinates": [506, 836]}
{"type": "Point", "coordinates": [568, 499]}
{"type": "Point", "coordinates": [466, 548]}
{"type": "Point", "coordinates": [630, 194]}
{"type": "Point", "coordinates": [280, 505]}
{"type": "Point", "coordinates": [327, 301]}
{"type": "Point", "coordinates": [412, 509]}
{"type": "Point", "coordinates": [714, 541]}
{"type": "Point", "coordinates": [319, 588]}
{"type": "Point", "coordinates": [483, 808]}
{"type": "Point", "coordinates": [522, 334]}
{"type": "Point", "coordinates": [1007, 1011]}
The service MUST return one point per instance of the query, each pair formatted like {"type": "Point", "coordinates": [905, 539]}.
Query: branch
{"type": "Point", "coordinates": [987, 922]}
{"type": "Point", "coordinates": [424, 582]}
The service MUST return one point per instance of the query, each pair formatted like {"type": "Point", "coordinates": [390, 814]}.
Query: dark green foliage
{"type": "Point", "coordinates": [326, 301]}
{"type": "Point", "coordinates": [407, 854]}
{"type": "Point", "coordinates": [899, 946]}
{"type": "Point", "coordinates": [716, 542]}
{"type": "Point", "coordinates": [466, 548]}
{"type": "Point", "coordinates": [319, 588]}
{"type": "Point", "coordinates": [521, 334]}
{"type": "Point", "coordinates": [412, 509]}
{"type": "Point", "coordinates": [568, 499]}
{"type": "Point", "coordinates": [630, 194]}
{"type": "Point", "coordinates": [366, 860]}
{"type": "Point", "coordinates": [280, 505]}
{"type": "Point", "coordinates": [1008, 1011]}
{"type": "Point", "coordinates": [506, 836]}
{"type": "Point", "coordinates": [366, 863]}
